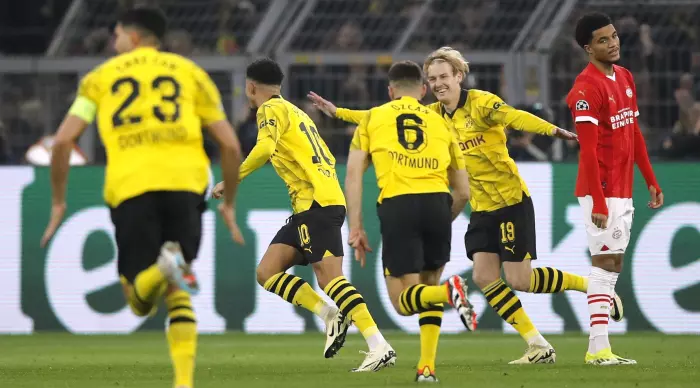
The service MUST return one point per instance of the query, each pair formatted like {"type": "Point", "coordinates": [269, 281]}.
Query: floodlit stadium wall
{"type": "Point", "coordinates": [72, 285]}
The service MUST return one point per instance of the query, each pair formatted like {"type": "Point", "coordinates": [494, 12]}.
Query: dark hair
{"type": "Point", "coordinates": [148, 19]}
{"type": "Point", "coordinates": [265, 71]}
{"type": "Point", "coordinates": [405, 71]}
{"type": "Point", "coordinates": [589, 23]}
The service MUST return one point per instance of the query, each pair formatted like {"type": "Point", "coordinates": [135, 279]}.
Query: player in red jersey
{"type": "Point", "coordinates": [603, 102]}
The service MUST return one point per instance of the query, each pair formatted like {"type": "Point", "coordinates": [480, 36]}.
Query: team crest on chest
{"type": "Point", "coordinates": [469, 122]}
{"type": "Point", "coordinates": [629, 92]}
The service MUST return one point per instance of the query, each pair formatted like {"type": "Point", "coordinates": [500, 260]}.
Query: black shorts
{"type": "Point", "coordinates": [315, 233]}
{"type": "Point", "coordinates": [416, 232]}
{"type": "Point", "coordinates": [509, 231]}
{"type": "Point", "coordinates": [144, 223]}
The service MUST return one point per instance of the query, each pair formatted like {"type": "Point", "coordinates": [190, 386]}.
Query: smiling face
{"type": "Point", "coordinates": [444, 81]}
{"type": "Point", "coordinates": [605, 45]}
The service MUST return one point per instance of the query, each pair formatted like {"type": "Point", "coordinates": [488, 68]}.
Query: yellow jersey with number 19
{"type": "Point", "coordinates": [411, 148]}
{"type": "Point", "coordinates": [151, 107]}
{"type": "Point", "coordinates": [301, 157]}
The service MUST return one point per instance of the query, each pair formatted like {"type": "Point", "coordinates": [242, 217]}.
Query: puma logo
{"type": "Point", "coordinates": [611, 98]}
{"type": "Point", "coordinates": [511, 249]}
{"type": "Point", "coordinates": [308, 249]}
{"type": "Point", "coordinates": [582, 93]}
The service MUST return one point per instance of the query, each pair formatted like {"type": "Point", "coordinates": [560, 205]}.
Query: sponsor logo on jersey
{"type": "Point", "coordinates": [471, 143]}
{"type": "Point", "coordinates": [621, 119]}
{"type": "Point", "coordinates": [270, 122]}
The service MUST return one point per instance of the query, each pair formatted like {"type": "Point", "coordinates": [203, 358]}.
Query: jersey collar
{"type": "Point", "coordinates": [594, 70]}
{"type": "Point", "coordinates": [462, 101]}
{"type": "Point", "coordinates": [407, 98]}
{"type": "Point", "coordinates": [275, 96]}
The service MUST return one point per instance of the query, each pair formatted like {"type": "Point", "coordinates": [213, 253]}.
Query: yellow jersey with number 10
{"type": "Point", "coordinates": [301, 157]}
{"type": "Point", "coordinates": [151, 107]}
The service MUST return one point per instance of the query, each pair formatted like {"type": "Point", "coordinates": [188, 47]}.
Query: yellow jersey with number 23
{"type": "Point", "coordinates": [150, 107]}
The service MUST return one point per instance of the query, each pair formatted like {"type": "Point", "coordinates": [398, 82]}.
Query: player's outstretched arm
{"type": "Point", "coordinates": [230, 149]}
{"type": "Point", "coordinates": [330, 110]}
{"type": "Point", "coordinates": [501, 113]}
{"type": "Point", "coordinates": [70, 130]}
{"type": "Point", "coordinates": [641, 158]}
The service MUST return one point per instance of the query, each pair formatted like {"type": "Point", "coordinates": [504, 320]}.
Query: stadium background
{"type": "Point", "coordinates": [522, 50]}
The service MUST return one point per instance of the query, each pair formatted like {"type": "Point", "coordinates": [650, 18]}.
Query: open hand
{"type": "Point", "coordinates": [564, 134]}
{"type": "Point", "coordinates": [229, 216]}
{"type": "Point", "coordinates": [322, 104]}
{"type": "Point", "coordinates": [58, 210]}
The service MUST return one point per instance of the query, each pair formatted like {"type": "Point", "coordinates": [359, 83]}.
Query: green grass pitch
{"type": "Point", "coordinates": [251, 361]}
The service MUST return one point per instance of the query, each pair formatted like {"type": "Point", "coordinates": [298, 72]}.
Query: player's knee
{"type": "Point", "coordinates": [262, 274]}
{"type": "Point", "coordinates": [483, 279]}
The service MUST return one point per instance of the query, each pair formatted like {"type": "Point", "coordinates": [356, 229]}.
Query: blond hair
{"type": "Point", "coordinates": [448, 55]}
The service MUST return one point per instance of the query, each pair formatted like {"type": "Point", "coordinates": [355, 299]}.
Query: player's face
{"type": "Point", "coordinates": [443, 81]}
{"type": "Point", "coordinates": [122, 41]}
{"type": "Point", "coordinates": [605, 45]}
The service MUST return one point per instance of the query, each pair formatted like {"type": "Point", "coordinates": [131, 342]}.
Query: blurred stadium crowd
{"type": "Point", "coordinates": [660, 44]}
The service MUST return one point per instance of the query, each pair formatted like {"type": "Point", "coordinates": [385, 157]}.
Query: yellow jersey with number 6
{"type": "Point", "coordinates": [301, 157]}
{"type": "Point", "coordinates": [411, 148]}
{"type": "Point", "coordinates": [151, 107]}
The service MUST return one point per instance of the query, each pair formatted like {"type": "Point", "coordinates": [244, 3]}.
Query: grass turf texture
{"type": "Point", "coordinates": [474, 360]}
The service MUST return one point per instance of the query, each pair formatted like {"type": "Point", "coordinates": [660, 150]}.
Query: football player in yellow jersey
{"type": "Point", "coordinates": [151, 107]}
{"type": "Point", "coordinates": [288, 138]}
{"type": "Point", "coordinates": [413, 151]}
{"type": "Point", "coordinates": [502, 226]}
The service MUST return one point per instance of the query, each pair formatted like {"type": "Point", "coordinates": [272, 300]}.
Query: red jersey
{"type": "Point", "coordinates": [610, 103]}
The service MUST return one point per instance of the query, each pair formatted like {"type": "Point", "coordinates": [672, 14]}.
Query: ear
{"type": "Point", "coordinates": [390, 90]}
{"type": "Point", "coordinates": [423, 90]}
{"type": "Point", "coordinates": [134, 37]}
{"type": "Point", "coordinates": [460, 77]}
{"type": "Point", "coordinates": [588, 49]}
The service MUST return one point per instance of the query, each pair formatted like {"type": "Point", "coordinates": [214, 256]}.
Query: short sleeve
{"type": "Point", "coordinates": [360, 139]}
{"type": "Point", "coordinates": [208, 104]}
{"type": "Point", "coordinates": [585, 103]}
{"type": "Point", "coordinates": [90, 87]}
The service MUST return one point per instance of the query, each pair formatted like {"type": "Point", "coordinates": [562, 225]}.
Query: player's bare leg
{"type": "Point", "coordinates": [604, 273]}
{"type": "Point", "coordinates": [271, 274]}
{"type": "Point", "coordinates": [329, 274]}
{"type": "Point", "coordinates": [487, 275]}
